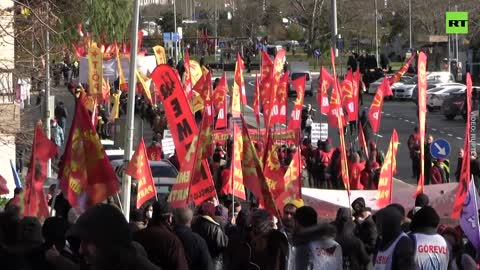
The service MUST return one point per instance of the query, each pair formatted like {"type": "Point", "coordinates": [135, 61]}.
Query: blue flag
{"type": "Point", "coordinates": [16, 178]}
{"type": "Point", "coordinates": [469, 221]}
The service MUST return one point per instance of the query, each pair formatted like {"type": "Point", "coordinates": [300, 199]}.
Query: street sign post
{"type": "Point", "coordinates": [440, 148]}
{"type": "Point", "coordinates": [317, 54]}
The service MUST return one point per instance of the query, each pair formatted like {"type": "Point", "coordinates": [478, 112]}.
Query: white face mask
{"type": "Point", "coordinates": [149, 214]}
{"type": "Point", "coordinates": [360, 220]}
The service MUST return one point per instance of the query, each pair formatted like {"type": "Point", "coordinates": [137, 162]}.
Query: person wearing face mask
{"type": "Point", "coordinates": [395, 250]}
{"type": "Point", "coordinates": [147, 214]}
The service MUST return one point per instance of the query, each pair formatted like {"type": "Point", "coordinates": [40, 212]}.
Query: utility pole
{"type": "Point", "coordinates": [410, 21]}
{"type": "Point", "coordinates": [127, 180]}
{"type": "Point", "coordinates": [335, 26]}
{"type": "Point", "coordinates": [456, 43]}
{"type": "Point", "coordinates": [47, 92]}
{"type": "Point", "coordinates": [216, 27]}
{"type": "Point", "coordinates": [376, 32]}
{"type": "Point", "coordinates": [175, 29]}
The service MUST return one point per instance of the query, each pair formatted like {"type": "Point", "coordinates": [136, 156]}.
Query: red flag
{"type": "Point", "coordinates": [3, 186]}
{"type": "Point", "coordinates": [276, 75]}
{"type": "Point", "coordinates": [238, 91]}
{"type": "Point", "coordinates": [273, 171]}
{"type": "Point", "coordinates": [106, 90]}
{"type": "Point", "coordinates": [361, 138]}
{"type": "Point", "coordinates": [278, 113]}
{"type": "Point", "coordinates": [295, 121]}
{"type": "Point", "coordinates": [256, 100]}
{"type": "Point", "coordinates": [139, 168]}
{"type": "Point", "coordinates": [464, 180]}
{"type": "Point", "coordinates": [236, 176]}
{"type": "Point", "coordinates": [266, 76]}
{"type": "Point", "coordinates": [154, 152]}
{"type": "Point", "coordinates": [220, 103]}
{"type": "Point", "coordinates": [402, 71]}
{"type": "Point", "coordinates": [384, 193]}
{"type": "Point", "coordinates": [343, 159]}
{"type": "Point", "coordinates": [375, 112]}
{"type": "Point", "coordinates": [356, 94]}
{"type": "Point", "coordinates": [422, 111]}
{"type": "Point", "coordinates": [347, 95]}
{"type": "Point", "coordinates": [323, 85]}
{"type": "Point", "coordinates": [43, 149]}
{"type": "Point", "coordinates": [336, 110]}
{"type": "Point", "coordinates": [87, 174]}
{"type": "Point", "coordinates": [187, 82]}
{"type": "Point", "coordinates": [204, 189]}
{"type": "Point", "coordinates": [292, 178]}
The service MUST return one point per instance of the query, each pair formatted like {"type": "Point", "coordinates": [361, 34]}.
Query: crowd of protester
{"type": "Point", "coordinates": [224, 235]}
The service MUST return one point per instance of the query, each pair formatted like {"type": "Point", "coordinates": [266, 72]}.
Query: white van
{"type": "Point", "coordinates": [297, 70]}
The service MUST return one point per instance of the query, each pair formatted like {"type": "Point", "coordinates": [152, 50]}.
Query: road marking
{"type": "Point", "coordinates": [434, 129]}
{"type": "Point", "coordinates": [251, 83]}
{"type": "Point", "coordinates": [378, 135]}
{"type": "Point", "coordinates": [449, 135]}
{"type": "Point", "coordinates": [442, 132]}
{"type": "Point", "coordinates": [388, 114]}
{"type": "Point", "coordinates": [458, 138]}
{"type": "Point", "coordinates": [478, 143]}
{"type": "Point", "coordinates": [406, 121]}
{"type": "Point", "coordinates": [400, 118]}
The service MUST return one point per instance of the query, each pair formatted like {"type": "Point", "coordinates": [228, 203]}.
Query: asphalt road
{"type": "Point", "coordinates": [399, 115]}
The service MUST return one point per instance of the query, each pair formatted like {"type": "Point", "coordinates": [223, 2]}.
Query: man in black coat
{"type": "Point", "coordinates": [211, 231]}
{"type": "Point", "coordinates": [365, 228]}
{"type": "Point", "coordinates": [162, 245]}
{"type": "Point", "coordinates": [196, 249]}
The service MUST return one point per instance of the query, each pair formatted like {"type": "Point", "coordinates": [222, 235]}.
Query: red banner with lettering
{"type": "Point", "coordinates": [295, 119]}
{"type": "Point", "coordinates": [422, 111]}
{"type": "Point", "coordinates": [385, 182]}
{"type": "Point", "coordinates": [220, 102]}
{"type": "Point", "coordinates": [139, 168]}
{"type": "Point", "coordinates": [464, 180]}
{"type": "Point", "coordinates": [278, 65]}
{"type": "Point", "coordinates": [266, 77]}
{"type": "Point", "coordinates": [402, 71]}
{"type": "Point", "coordinates": [336, 110]}
{"type": "Point", "coordinates": [375, 112]}
{"type": "Point", "coordinates": [324, 83]}
{"type": "Point", "coordinates": [205, 188]}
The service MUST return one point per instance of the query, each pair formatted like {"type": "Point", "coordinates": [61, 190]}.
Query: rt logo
{"type": "Point", "coordinates": [456, 22]}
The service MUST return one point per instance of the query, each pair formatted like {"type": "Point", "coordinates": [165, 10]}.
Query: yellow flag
{"type": "Point", "coordinates": [145, 85]}
{"type": "Point", "coordinates": [116, 107]}
{"type": "Point", "coordinates": [197, 102]}
{"type": "Point", "coordinates": [95, 70]}
{"type": "Point", "coordinates": [159, 52]}
{"type": "Point", "coordinates": [195, 71]}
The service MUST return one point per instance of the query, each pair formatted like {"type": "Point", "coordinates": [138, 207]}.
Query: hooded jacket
{"type": "Point", "coordinates": [196, 249]}
{"type": "Point", "coordinates": [213, 234]}
{"type": "Point", "coordinates": [315, 248]}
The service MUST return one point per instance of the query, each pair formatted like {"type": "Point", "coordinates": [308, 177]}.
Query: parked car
{"type": "Point", "coordinates": [436, 96]}
{"type": "Point", "coordinates": [433, 85]}
{"type": "Point", "coordinates": [115, 154]}
{"type": "Point", "coordinates": [372, 89]}
{"type": "Point", "coordinates": [454, 104]}
{"type": "Point", "coordinates": [406, 91]}
{"type": "Point", "coordinates": [297, 70]}
{"type": "Point", "coordinates": [163, 172]}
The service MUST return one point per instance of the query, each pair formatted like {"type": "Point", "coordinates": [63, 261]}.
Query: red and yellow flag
{"type": "Point", "coordinates": [122, 82]}
{"type": "Point", "coordinates": [159, 52]}
{"type": "Point", "coordinates": [236, 177]}
{"type": "Point", "coordinates": [43, 149]}
{"type": "Point", "coordinates": [422, 111]}
{"type": "Point", "coordinates": [464, 180]}
{"type": "Point", "coordinates": [114, 113]}
{"type": "Point", "coordinates": [324, 83]}
{"type": "Point", "coordinates": [402, 71]}
{"type": "Point", "coordinates": [187, 82]}
{"type": "Point", "coordinates": [238, 91]}
{"type": "Point", "coordinates": [273, 171]}
{"type": "Point", "coordinates": [295, 119]}
{"type": "Point", "coordinates": [292, 178]}
{"type": "Point", "coordinates": [343, 159]}
{"type": "Point", "coordinates": [278, 113]}
{"type": "Point", "coordinates": [266, 76]}
{"type": "Point", "coordinates": [278, 65]}
{"type": "Point", "coordinates": [105, 90]}
{"type": "Point", "coordinates": [219, 102]}
{"type": "Point", "coordinates": [335, 116]}
{"type": "Point", "coordinates": [87, 176]}
{"type": "Point", "coordinates": [95, 70]}
{"type": "Point", "coordinates": [139, 168]}
{"type": "Point", "coordinates": [253, 177]}
{"type": "Point", "coordinates": [375, 112]}
{"type": "Point", "coordinates": [145, 83]}
{"type": "Point", "coordinates": [347, 95]}
{"type": "Point", "coordinates": [356, 93]}
{"type": "Point", "coordinates": [385, 182]}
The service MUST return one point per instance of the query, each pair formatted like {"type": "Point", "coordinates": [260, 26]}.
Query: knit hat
{"type": "Point", "coordinates": [425, 217]}
{"type": "Point", "coordinates": [421, 200]}
{"type": "Point", "coordinates": [102, 225]}
{"type": "Point", "coordinates": [297, 203]}
{"type": "Point", "coordinates": [359, 203]}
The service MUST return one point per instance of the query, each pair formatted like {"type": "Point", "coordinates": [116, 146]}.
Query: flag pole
{"type": "Point", "coordinates": [127, 180]}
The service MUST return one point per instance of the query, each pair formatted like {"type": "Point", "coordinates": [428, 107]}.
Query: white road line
{"type": "Point", "coordinates": [442, 132]}
{"type": "Point", "coordinates": [478, 143]}
{"type": "Point", "coordinates": [449, 135]}
{"type": "Point", "coordinates": [406, 121]}
{"type": "Point", "coordinates": [434, 129]}
{"type": "Point", "coordinates": [378, 135]}
{"type": "Point", "coordinates": [251, 83]}
{"type": "Point", "coordinates": [458, 138]}
{"type": "Point", "coordinates": [388, 114]}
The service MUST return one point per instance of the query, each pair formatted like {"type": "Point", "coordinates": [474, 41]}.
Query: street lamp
{"type": "Point", "coordinates": [376, 32]}
{"type": "Point", "coordinates": [410, 21]}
